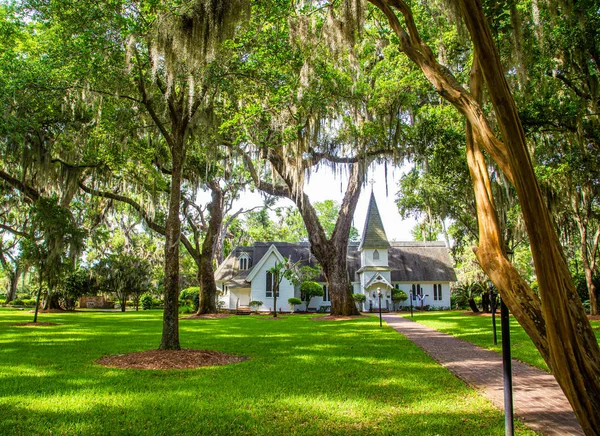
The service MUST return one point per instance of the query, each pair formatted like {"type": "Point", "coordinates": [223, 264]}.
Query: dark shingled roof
{"type": "Point", "coordinates": [409, 261]}
{"type": "Point", "coordinates": [374, 234]}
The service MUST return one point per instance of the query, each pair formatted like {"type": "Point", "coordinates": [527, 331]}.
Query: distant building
{"type": "Point", "coordinates": [421, 268]}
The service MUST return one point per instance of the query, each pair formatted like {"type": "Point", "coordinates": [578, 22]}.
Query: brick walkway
{"type": "Point", "coordinates": [538, 400]}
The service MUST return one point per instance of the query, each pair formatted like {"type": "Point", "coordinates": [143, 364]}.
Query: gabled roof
{"type": "Point", "coordinates": [378, 279]}
{"type": "Point", "coordinates": [272, 250]}
{"type": "Point", "coordinates": [373, 234]}
{"type": "Point", "coordinates": [410, 262]}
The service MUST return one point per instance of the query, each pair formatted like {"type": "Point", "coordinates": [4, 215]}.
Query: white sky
{"type": "Point", "coordinates": [324, 185]}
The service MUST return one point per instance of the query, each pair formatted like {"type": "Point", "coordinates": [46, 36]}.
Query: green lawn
{"type": "Point", "coordinates": [303, 377]}
{"type": "Point", "coordinates": [478, 330]}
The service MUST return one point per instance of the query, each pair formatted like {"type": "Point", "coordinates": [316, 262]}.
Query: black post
{"type": "Point", "coordinates": [493, 302]}
{"type": "Point", "coordinates": [379, 295]}
{"type": "Point", "coordinates": [507, 367]}
{"type": "Point", "coordinates": [411, 306]}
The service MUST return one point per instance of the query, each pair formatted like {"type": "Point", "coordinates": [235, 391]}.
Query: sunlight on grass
{"type": "Point", "coordinates": [478, 330]}
{"type": "Point", "coordinates": [302, 377]}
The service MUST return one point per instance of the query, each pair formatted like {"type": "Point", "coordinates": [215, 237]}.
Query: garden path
{"type": "Point", "coordinates": [538, 400]}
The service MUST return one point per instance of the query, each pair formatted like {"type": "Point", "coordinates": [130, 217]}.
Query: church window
{"type": "Point", "coordinates": [326, 296]}
{"type": "Point", "coordinates": [437, 291]}
{"type": "Point", "coordinates": [244, 261]}
{"type": "Point", "coordinates": [269, 286]}
{"type": "Point", "coordinates": [376, 255]}
{"type": "Point", "coordinates": [416, 290]}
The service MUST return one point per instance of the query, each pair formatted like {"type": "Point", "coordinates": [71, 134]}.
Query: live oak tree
{"type": "Point", "coordinates": [301, 112]}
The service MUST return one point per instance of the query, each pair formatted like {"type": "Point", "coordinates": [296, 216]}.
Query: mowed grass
{"type": "Point", "coordinates": [302, 377]}
{"type": "Point", "coordinates": [478, 330]}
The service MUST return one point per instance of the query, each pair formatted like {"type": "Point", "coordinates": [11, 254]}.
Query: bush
{"type": "Point", "coordinates": [29, 301]}
{"type": "Point", "coordinates": [294, 302]}
{"type": "Point", "coordinates": [190, 297]}
{"type": "Point", "coordinates": [255, 305]}
{"type": "Point", "coordinates": [186, 308]}
{"type": "Point", "coordinates": [146, 301]}
{"type": "Point", "coordinates": [17, 302]}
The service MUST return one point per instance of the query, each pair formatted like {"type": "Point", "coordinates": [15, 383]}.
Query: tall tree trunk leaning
{"type": "Point", "coordinates": [170, 332]}
{"type": "Point", "coordinates": [208, 287]}
{"type": "Point", "coordinates": [556, 322]}
{"type": "Point", "coordinates": [573, 352]}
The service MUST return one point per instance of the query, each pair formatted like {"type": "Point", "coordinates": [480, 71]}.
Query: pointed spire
{"type": "Point", "coordinates": [373, 233]}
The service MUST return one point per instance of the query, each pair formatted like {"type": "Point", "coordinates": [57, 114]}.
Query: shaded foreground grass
{"type": "Point", "coordinates": [478, 330]}
{"type": "Point", "coordinates": [302, 377]}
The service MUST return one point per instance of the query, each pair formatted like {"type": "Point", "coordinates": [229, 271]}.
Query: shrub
{"type": "Point", "coordinates": [359, 299]}
{"type": "Point", "coordinates": [146, 301]}
{"type": "Point", "coordinates": [190, 296]}
{"type": "Point", "coordinates": [310, 289]}
{"type": "Point", "coordinates": [186, 308]}
{"type": "Point", "coordinates": [255, 305]}
{"type": "Point", "coordinates": [294, 302]}
{"type": "Point", "coordinates": [17, 302]}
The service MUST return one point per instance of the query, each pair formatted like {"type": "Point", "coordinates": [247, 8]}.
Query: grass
{"type": "Point", "coordinates": [303, 377]}
{"type": "Point", "coordinates": [478, 330]}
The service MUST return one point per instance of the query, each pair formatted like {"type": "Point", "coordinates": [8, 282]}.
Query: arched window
{"type": "Point", "coordinates": [376, 255]}
{"type": "Point", "coordinates": [244, 261]}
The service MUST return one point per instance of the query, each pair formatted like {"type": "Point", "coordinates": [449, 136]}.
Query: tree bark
{"type": "Point", "coordinates": [170, 332]}
{"type": "Point", "coordinates": [208, 287]}
{"type": "Point", "coordinates": [52, 301]}
{"type": "Point", "coordinates": [14, 283]}
{"type": "Point", "coordinates": [573, 352]}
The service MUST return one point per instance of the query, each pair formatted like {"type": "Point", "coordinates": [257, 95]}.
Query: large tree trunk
{"type": "Point", "coordinates": [208, 287]}
{"type": "Point", "coordinates": [52, 301]}
{"type": "Point", "coordinates": [336, 272]}
{"type": "Point", "coordinates": [170, 332]}
{"type": "Point", "coordinates": [14, 283]}
{"type": "Point", "coordinates": [573, 352]}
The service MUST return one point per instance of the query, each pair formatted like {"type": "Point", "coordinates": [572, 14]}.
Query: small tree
{"type": "Point", "coordinates": [398, 296]}
{"type": "Point", "coordinates": [294, 302]}
{"type": "Point", "coordinates": [255, 305]}
{"type": "Point", "coordinates": [359, 299]}
{"type": "Point", "coordinates": [308, 290]}
{"type": "Point", "coordinates": [146, 301]}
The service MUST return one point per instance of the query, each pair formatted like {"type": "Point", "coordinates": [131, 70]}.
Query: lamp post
{"type": "Point", "coordinates": [493, 304]}
{"type": "Point", "coordinates": [411, 306]}
{"type": "Point", "coordinates": [507, 367]}
{"type": "Point", "coordinates": [379, 297]}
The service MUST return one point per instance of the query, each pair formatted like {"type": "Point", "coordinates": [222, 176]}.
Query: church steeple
{"type": "Point", "coordinates": [373, 233]}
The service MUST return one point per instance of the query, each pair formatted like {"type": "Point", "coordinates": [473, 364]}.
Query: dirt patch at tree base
{"type": "Point", "coordinates": [209, 316]}
{"type": "Point", "coordinates": [34, 324]}
{"type": "Point", "coordinates": [170, 359]}
{"type": "Point", "coordinates": [594, 317]}
{"type": "Point", "coordinates": [336, 318]}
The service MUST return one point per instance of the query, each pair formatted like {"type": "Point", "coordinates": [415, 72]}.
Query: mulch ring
{"type": "Point", "coordinates": [209, 316]}
{"type": "Point", "coordinates": [170, 359]}
{"type": "Point", "coordinates": [336, 318]}
{"type": "Point", "coordinates": [34, 324]}
{"type": "Point", "coordinates": [594, 317]}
